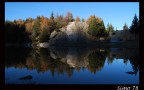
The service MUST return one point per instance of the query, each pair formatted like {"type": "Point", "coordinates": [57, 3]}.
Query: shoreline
{"type": "Point", "coordinates": [127, 44]}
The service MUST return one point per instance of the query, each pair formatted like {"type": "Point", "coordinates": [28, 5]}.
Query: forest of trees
{"type": "Point", "coordinates": [35, 30]}
{"type": "Point", "coordinates": [39, 29]}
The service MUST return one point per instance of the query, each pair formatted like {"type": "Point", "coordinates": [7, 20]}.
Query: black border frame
{"type": "Point", "coordinates": [74, 86]}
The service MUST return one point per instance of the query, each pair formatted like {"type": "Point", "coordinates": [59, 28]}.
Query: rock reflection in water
{"type": "Point", "coordinates": [61, 60]}
{"type": "Point", "coordinates": [74, 56]}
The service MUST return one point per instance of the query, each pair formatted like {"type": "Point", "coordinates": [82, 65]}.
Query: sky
{"type": "Point", "coordinates": [116, 13]}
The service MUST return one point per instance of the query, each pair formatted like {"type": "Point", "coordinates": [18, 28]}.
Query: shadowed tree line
{"type": "Point", "coordinates": [35, 30]}
{"type": "Point", "coordinates": [15, 33]}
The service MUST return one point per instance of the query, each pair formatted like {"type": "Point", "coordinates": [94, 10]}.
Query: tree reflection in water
{"type": "Point", "coordinates": [61, 60]}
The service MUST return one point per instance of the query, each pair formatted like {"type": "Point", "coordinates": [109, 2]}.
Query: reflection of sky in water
{"type": "Point", "coordinates": [114, 73]}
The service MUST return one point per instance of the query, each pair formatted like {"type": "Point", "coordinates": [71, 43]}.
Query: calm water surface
{"type": "Point", "coordinates": [72, 65]}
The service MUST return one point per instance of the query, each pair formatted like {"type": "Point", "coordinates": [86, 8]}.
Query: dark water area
{"type": "Point", "coordinates": [72, 65]}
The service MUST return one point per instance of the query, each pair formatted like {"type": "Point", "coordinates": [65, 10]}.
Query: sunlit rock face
{"type": "Point", "coordinates": [53, 34]}
{"type": "Point", "coordinates": [75, 26]}
{"type": "Point", "coordinates": [74, 32]}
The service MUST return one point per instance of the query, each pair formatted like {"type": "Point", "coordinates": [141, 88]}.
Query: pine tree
{"type": "Point", "coordinates": [92, 27]}
{"type": "Point", "coordinates": [125, 27]}
{"type": "Point", "coordinates": [52, 24]}
{"type": "Point", "coordinates": [83, 20]}
{"type": "Point", "coordinates": [102, 29]}
{"type": "Point", "coordinates": [134, 28]}
{"type": "Point", "coordinates": [110, 28]}
{"type": "Point", "coordinates": [36, 29]}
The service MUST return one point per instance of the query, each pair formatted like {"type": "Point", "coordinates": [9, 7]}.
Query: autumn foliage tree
{"type": "Point", "coordinates": [77, 19]}
{"type": "Point", "coordinates": [69, 17]}
{"type": "Point", "coordinates": [36, 29]}
{"type": "Point", "coordinates": [29, 27]}
{"type": "Point", "coordinates": [59, 22]}
{"type": "Point", "coordinates": [96, 27]}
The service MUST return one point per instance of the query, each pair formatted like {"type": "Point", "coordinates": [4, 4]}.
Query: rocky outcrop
{"type": "Point", "coordinates": [53, 34]}
{"type": "Point", "coordinates": [59, 39]}
{"type": "Point", "coordinates": [75, 32]}
{"type": "Point", "coordinates": [44, 45]}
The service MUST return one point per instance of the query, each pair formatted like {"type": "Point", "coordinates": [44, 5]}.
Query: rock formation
{"type": "Point", "coordinates": [75, 32]}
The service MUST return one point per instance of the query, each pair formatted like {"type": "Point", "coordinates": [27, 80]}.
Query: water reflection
{"type": "Point", "coordinates": [64, 60]}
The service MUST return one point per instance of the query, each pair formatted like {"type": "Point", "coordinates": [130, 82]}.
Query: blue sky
{"type": "Point", "coordinates": [116, 13]}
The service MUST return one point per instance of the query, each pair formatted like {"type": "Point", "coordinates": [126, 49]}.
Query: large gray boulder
{"type": "Point", "coordinates": [72, 33]}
